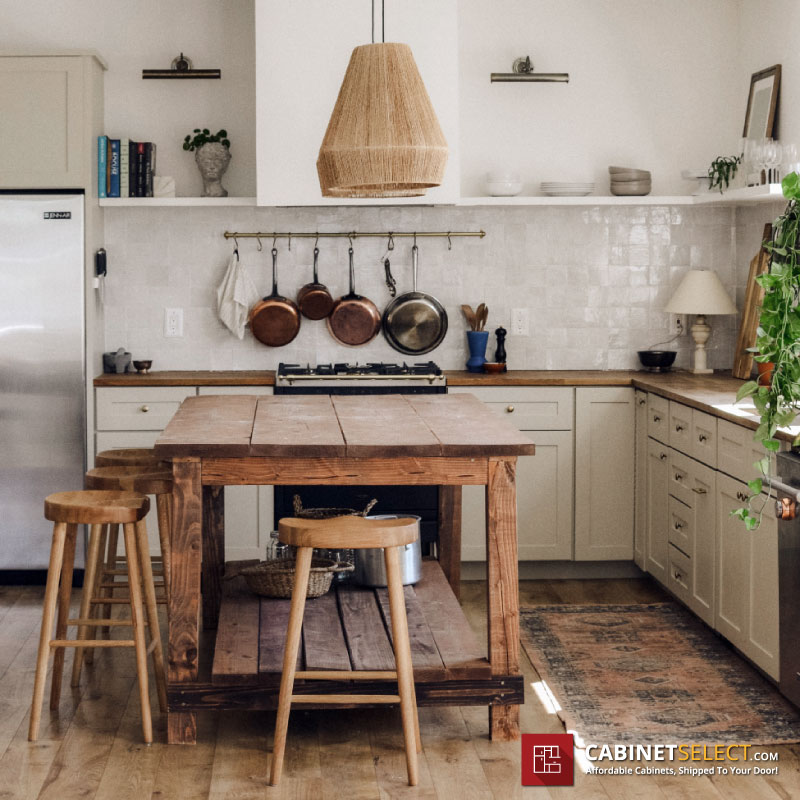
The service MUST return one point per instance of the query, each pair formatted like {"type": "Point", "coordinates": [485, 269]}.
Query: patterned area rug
{"type": "Point", "coordinates": [651, 673]}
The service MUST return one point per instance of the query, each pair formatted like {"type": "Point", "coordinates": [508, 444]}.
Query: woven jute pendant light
{"type": "Point", "coordinates": [383, 138]}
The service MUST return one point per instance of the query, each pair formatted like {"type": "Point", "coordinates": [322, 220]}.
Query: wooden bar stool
{"type": "Point", "coordinates": [144, 480]}
{"type": "Point", "coordinates": [128, 457]}
{"type": "Point", "coordinates": [95, 508]}
{"type": "Point", "coordinates": [356, 533]}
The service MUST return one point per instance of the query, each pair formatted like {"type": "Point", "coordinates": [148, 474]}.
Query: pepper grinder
{"type": "Point", "coordinates": [500, 352]}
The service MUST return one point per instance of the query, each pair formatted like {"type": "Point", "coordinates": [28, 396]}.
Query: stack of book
{"type": "Point", "coordinates": [125, 168]}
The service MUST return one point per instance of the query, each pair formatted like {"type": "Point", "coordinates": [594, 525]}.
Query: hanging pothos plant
{"type": "Point", "coordinates": [778, 341]}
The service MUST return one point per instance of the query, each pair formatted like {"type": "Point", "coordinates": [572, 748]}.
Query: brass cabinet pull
{"type": "Point", "coordinates": [144, 409]}
{"type": "Point", "coordinates": [741, 496]}
{"type": "Point", "coordinates": [642, 401]}
{"type": "Point", "coordinates": [678, 477]}
{"type": "Point", "coordinates": [510, 409]}
{"type": "Point", "coordinates": [677, 525]}
{"type": "Point", "coordinates": [679, 428]}
{"type": "Point", "coordinates": [656, 418]}
{"type": "Point", "coordinates": [699, 490]}
{"type": "Point", "coordinates": [663, 456]}
{"type": "Point", "coordinates": [702, 438]}
{"type": "Point", "coordinates": [677, 575]}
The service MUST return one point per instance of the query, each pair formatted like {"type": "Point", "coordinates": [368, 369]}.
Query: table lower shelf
{"type": "Point", "coordinates": [348, 628]}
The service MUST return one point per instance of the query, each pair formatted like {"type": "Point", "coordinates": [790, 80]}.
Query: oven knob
{"type": "Point", "coordinates": [510, 409]}
{"type": "Point", "coordinates": [785, 508]}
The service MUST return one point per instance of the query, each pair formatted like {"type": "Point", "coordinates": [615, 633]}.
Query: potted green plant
{"type": "Point", "coordinates": [212, 155]}
{"type": "Point", "coordinates": [722, 171]}
{"type": "Point", "coordinates": [777, 341]}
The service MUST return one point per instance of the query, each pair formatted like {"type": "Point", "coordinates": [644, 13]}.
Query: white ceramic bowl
{"type": "Point", "coordinates": [506, 187]}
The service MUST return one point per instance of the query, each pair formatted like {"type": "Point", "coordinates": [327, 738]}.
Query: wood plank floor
{"type": "Point", "coordinates": [92, 747]}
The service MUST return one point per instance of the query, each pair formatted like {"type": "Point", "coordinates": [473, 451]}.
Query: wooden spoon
{"type": "Point", "coordinates": [481, 314]}
{"type": "Point", "coordinates": [471, 318]}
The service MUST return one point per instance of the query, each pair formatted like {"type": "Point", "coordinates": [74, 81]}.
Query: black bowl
{"type": "Point", "coordinates": [657, 360]}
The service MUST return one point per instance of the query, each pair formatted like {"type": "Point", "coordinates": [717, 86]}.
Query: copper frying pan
{"type": "Point", "coordinates": [354, 320]}
{"type": "Point", "coordinates": [275, 320]}
{"type": "Point", "coordinates": [314, 299]}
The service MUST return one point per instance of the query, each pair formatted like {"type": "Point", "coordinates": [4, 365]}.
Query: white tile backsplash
{"type": "Point", "coordinates": [594, 278]}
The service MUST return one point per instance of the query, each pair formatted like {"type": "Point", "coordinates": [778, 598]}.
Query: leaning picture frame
{"type": "Point", "coordinates": [762, 104]}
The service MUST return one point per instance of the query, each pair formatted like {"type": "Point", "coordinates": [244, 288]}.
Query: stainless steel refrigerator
{"type": "Point", "coordinates": [42, 370]}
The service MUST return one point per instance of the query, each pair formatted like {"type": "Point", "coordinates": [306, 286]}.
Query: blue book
{"type": "Point", "coordinates": [114, 169]}
{"type": "Point", "coordinates": [102, 175]}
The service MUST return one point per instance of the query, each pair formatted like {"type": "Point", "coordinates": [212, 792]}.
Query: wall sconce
{"type": "Point", "coordinates": [181, 67]}
{"type": "Point", "coordinates": [522, 70]}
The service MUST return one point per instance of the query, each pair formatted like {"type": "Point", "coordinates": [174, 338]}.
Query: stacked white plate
{"type": "Point", "coordinates": [567, 188]}
{"type": "Point", "coordinates": [629, 181]}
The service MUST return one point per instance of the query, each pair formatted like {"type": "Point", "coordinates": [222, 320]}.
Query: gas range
{"type": "Point", "coordinates": [370, 378]}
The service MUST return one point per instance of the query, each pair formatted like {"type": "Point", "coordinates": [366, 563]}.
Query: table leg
{"type": "Point", "coordinates": [184, 596]}
{"type": "Point", "coordinates": [450, 536]}
{"type": "Point", "coordinates": [213, 552]}
{"type": "Point", "coordinates": [502, 588]}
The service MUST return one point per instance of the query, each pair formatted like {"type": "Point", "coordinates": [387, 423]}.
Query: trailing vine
{"type": "Point", "coordinates": [722, 171]}
{"type": "Point", "coordinates": [777, 340]}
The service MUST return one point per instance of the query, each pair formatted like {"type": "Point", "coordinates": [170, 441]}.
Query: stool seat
{"type": "Point", "coordinates": [96, 507]}
{"type": "Point", "coordinates": [127, 457]}
{"type": "Point", "coordinates": [152, 479]}
{"type": "Point", "coordinates": [347, 532]}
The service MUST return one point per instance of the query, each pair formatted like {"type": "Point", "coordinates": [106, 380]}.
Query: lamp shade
{"type": "Point", "coordinates": [383, 138]}
{"type": "Point", "coordinates": [700, 292]}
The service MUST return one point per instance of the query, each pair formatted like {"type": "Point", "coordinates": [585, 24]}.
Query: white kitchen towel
{"type": "Point", "coordinates": [235, 296]}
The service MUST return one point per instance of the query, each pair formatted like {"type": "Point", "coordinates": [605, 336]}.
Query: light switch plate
{"type": "Point", "coordinates": [520, 322]}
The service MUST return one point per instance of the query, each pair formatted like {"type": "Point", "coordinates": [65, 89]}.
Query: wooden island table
{"type": "Point", "coordinates": [444, 440]}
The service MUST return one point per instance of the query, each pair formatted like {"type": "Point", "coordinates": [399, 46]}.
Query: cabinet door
{"type": "Point", "coordinates": [302, 52]}
{"type": "Point", "coordinates": [41, 124]}
{"type": "Point", "coordinates": [733, 568]}
{"type": "Point", "coordinates": [640, 491]}
{"type": "Point", "coordinates": [604, 434]}
{"type": "Point", "coordinates": [544, 503]}
{"type": "Point", "coordinates": [703, 483]}
{"type": "Point", "coordinates": [762, 633]}
{"type": "Point", "coordinates": [657, 509]}
{"type": "Point", "coordinates": [248, 509]}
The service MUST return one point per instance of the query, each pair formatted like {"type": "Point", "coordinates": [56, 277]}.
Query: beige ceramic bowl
{"type": "Point", "coordinates": [631, 188]}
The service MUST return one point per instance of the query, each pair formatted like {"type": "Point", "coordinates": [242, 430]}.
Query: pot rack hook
{"type": "Point", "coordinates": [449, 241]}
{"type": "Point", "coordinates": [274, 240]}
{"type": "Point", "coordinates": [316, 242]}
{"type": "Point", "coordinates": [415, 238]}
{"type": "Point", "coordinates": [236, 245]}
{"type": "Point", "coordinates": [290, 241]}
{"type": "Point", "coordinates": [390, 243]}
{"type": "Point", "coordinates": [260, 246]}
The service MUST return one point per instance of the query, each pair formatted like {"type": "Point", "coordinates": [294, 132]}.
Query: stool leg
{"type": "Point", "coordinates": [302, 571]}
{"type": "Point", "coordinates": [402, 655]}
{"type": "Point", "coordinates": [64, 595]}
{"type": "Point", "coordinates": [137, 620]}
{"type": "Point", "coordinates": [95, 610]}
{"type": "Point", "coordinates": [152, 613]}
{"type": "Point", "coordinates": [48, 615]}
{"type": "Point", "coordinates": [111, 563]}
{"type": "Point", "coordinates": [162, 505]}
{"type": "Point", "coordinates": [89, 583]}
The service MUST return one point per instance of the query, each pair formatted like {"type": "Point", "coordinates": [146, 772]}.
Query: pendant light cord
{"type": "Point", "coordinates": [383, 21]}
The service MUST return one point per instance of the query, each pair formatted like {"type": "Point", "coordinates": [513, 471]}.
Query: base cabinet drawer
{"type": "Point", "coordinates": [145, 408]}
{"type": "Point", "coordinates": [679, 574]}
{"type": "Point", "coordinates": [529, 408]}
{"type": "Point", "coordinates": [658, 418]}
{"type": "Point", "coordinates": [680, 427]}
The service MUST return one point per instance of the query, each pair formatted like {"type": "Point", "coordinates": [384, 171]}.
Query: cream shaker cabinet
{"type": "Point", "coordinates": [544, 481]}
{"type": "Point", "coordinates": [302, 52]}
{"type": "Point", "coordinates": [640, 483]}
{"type": "Point", "coordinates": [657, 513]}
{"type": "Point", "coordinates": [135, 417]}
{"type": "Point", "coordinates": [747, 579]}
{"type": "Point", "coordinates": [604, 473]}
{"type": "Point", "coordinates": [51, 113]}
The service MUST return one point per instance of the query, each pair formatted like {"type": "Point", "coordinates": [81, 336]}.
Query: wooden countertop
{"type": "Point", "coordinates": [543, 377]}
{"type": "Point", "coordinates": [233, 377]}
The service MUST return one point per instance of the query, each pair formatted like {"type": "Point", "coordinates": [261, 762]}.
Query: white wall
{"type": "Point", "coordinates": [652, 85]}
{"type": "Point", "coordinates": [768, 34]}
{"type": "Point", "coordinates": [148, 34]}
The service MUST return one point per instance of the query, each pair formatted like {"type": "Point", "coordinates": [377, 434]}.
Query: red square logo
{"type": "Point", "coordinates": [548, 759]}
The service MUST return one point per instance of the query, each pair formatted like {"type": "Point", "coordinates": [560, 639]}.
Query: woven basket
{"type": "Point", "coordinates": [328, 513]}
{"type": "Point", "coordinates": [276, 578]}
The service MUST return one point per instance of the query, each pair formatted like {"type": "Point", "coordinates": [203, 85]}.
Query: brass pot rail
{"type": "Point", "coordinates": [351, 235]}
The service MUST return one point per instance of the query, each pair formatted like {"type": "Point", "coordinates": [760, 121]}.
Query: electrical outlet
{"type": "Point", "coordinates": [173, 322]}
{"type": "Point", "coordinates": [520, 322]}
{"type": "Point", "coordinates": [678, 326]}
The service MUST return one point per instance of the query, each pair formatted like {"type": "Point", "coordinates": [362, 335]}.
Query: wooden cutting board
{"type": "Point", "coordinates": [743, 360]}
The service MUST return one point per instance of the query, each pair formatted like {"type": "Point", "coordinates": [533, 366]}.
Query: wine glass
{"type": "Point", "coordinates": [790, 158]}
{"type": "Point", "coordinates": [773, 156]}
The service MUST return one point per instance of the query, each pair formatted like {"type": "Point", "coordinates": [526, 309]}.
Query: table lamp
{"type": "Point", "coordinates": [700, 292]}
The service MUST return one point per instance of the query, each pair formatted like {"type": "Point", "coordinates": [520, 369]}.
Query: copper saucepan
{"type": "Point", "coordinates": [275, 320]}
{"type": "Point", "coordinates": [314, 299]}
{"type": "Point", "coordinates": [354, 320]}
